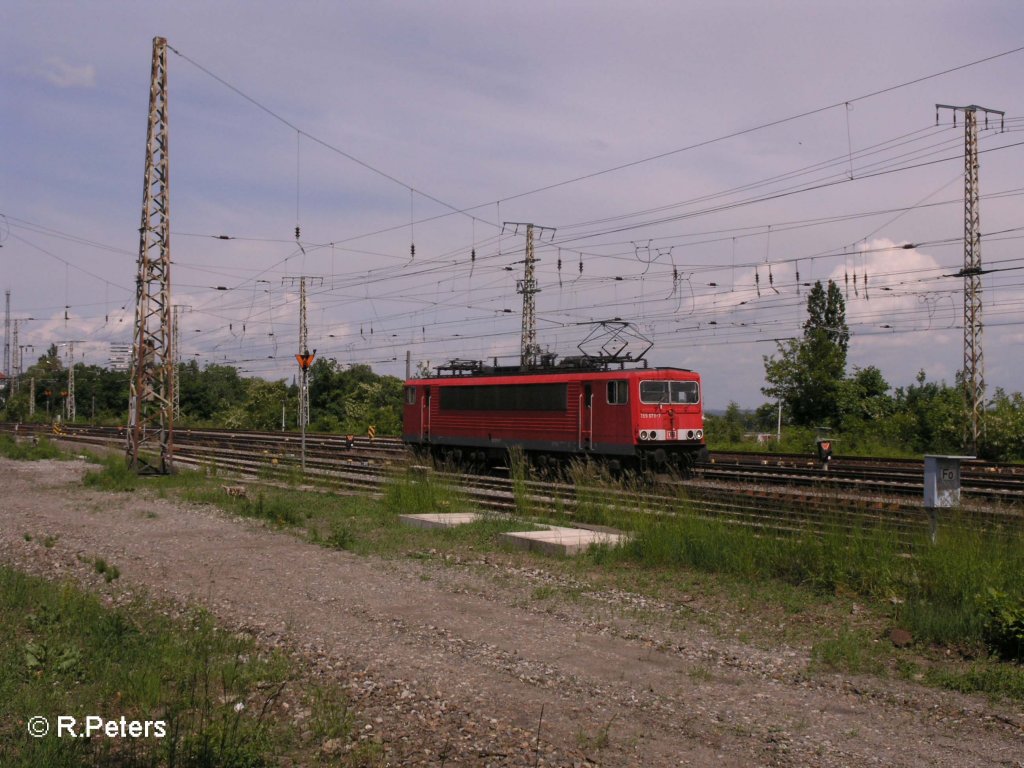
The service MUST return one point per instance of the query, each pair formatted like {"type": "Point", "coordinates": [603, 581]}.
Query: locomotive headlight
{"type": "Point", "coordinates": [689, 435]}
{"type": "Point", "coordinates": [700, 433]}
{"type": "Point", "coordinates": [643, 434]}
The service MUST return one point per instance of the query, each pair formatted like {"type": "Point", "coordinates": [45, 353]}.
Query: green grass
{"type": "Point", "coordinates": [854, 652]}
{"type": "Point", "coordinates": [64, 653]}
{"type": "Point", "coordinates": [114, 474]}
{"type": "Point", "coordinates": [981, 677]}
{"type": "Point", "coordinates": [934, 591]}
{"type": "Point", "coordinates": [29, 450]}
{"type": "Point", "coordinates": [359, 524]}
{"type": "Point", "coordinates": [413, 490]}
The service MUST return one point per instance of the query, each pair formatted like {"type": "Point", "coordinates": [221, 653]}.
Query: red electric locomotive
{"type": "Point", "coordinates": [638, 417]}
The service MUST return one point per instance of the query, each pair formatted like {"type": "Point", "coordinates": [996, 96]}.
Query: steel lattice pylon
{"type": "Point", "coordinates": [528, 287]}
{"type": "Point", "coordinates": [304, 357]}
{"type": "Point", "coordinates": [529, 348]}
{"type": "Point", "coordinates": [7, 339]}
{"type": "Point", "coordinates": [151, 381]}
{"type": "Point", "coordinates": [69, 400]}
{"type": "Point", "coordinates": [974, 360]}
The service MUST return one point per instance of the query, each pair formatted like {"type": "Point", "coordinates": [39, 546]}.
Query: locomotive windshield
{"type": "Point", "coordinates": [669, 392]}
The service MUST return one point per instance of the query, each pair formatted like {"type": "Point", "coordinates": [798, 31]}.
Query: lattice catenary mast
{"type": "Point", "coordinates": [70, 410]}
{"type": "Point", "coordinates": [7, 335]}
{"type": "Point", "coordinates": [151, 382]}
{"type": "Point", "coordinates": [12, 380]}
{"type": "Point", "coordinates": [304, 358]}
{"type": "Point", "coordinates": [176, 366]}
{"type": "Point", "coordinates": [974, 360]}
{"type": "Point", "coordinates": [529, 349]}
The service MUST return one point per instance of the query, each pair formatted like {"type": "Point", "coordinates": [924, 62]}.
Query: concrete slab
{"type": "Point", "coordinates": [561, 541]}
{"type": "Point", "coordinates": [439, 519]}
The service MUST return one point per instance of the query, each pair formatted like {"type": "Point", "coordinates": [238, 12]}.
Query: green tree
{"type": "Point", "coordinates": [208, 394]}
{"type": "Point", "coordinates": [352, 398]}
{"type": "Point", "coordinates": [864, 398]}
{"type": "Point", "coordinates": [50, 380]}
{"type": "Point", "coordinates": [260, 408]}
{"type": "Point", "coordinates": [728, 428]}
{"type": "Point", "coordinates": [929, 416]}
{"type": "Point", "coordinates": [101, 394]}
{"type": "Point", "coordinates": [375, 403]}
{"type": "Point", "coordinates": [808, 372]}
{"type": "Point", "coordinates": [1004, 427]}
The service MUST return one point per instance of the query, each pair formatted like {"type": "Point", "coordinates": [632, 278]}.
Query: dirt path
{"type": "Point", "coordinates": [452, 665]}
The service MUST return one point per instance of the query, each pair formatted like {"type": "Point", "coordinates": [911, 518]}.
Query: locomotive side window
{"type": "Point", "coordinates": [410, 395]}
{"type": "Point", "coordinates": [505, 397]}
{"type": "Point", "coordinates": [672, 392]}
{"type": "Point", "coordinates": [618, 392]}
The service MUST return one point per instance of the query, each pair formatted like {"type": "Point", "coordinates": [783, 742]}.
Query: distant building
{"type": "Point", "coordinates": [120, 357]}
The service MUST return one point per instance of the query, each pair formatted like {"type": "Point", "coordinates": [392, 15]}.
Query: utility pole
{"type": "Point", "coordinates": [974, 361]}
{"type": "Point", "coordinates": [17, 354]}
{"type": "Point", "coordinates": [19, 369]}
{"type": "Point", "coordinates": [12, 380]}
{"type": "Point", "coordinates": [151, 385]}
{"type": "Point", "coordinates": [32, 398]}
{"type": "Point", "coordinates": [176, 346]}
{"type": "Point", "coordinates": [529, 350]}
{"type": "Point", "coordinates": [7, 335]}
{"type": "Point", "coordinates": [304, 357]}
{"type": "Point", "coordinates": [69, 398]}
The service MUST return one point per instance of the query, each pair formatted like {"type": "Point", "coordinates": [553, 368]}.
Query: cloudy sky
{"type": "Point", "coordinates": [694, 165]}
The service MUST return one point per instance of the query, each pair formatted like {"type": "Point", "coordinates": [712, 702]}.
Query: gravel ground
{"type": "Point", "coordinates": [452, 663]}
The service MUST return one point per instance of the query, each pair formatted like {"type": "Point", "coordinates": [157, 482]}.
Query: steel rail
{"type": "Point", "coordinates": [780, 499]}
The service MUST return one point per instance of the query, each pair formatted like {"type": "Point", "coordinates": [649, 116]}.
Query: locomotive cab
{"type": "Point", "coordinates": [670, 419]}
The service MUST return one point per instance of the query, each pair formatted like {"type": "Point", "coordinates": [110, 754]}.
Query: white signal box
{"type": "Point", "coordinates": [941, 486]}
{"type": "Point", "coordinates": [942, 481]}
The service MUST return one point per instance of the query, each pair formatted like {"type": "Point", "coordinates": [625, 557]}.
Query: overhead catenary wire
{"type": "Point", "coordinates": [447, 267]}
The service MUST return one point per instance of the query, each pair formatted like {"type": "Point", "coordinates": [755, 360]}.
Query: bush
{"type": "Point", "coordinates": [1004, 623]}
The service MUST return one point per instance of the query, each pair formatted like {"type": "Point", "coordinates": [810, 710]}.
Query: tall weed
{"type": "Point", "coordinates": [936, 591]}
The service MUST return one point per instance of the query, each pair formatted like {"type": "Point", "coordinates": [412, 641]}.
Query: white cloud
{"type": "Point", "coordinates": [60, 73]}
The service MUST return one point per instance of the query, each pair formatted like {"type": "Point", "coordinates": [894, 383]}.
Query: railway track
{"type": "Point", "coordinates": [781, 494]}
{"type": "Point", "coordinates": [901, 477]}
